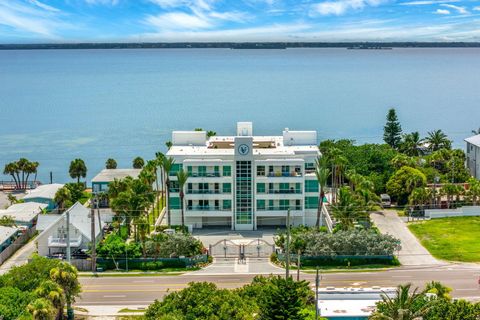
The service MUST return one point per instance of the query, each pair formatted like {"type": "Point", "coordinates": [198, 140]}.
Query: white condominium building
{"type": "Point", "coordinates": [245, 182]}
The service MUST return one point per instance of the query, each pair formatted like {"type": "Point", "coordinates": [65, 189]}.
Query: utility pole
{"type": "Point", "coordinates": [51, 177]}
{"type": "Point", "coordinates": [92, 226]}
{"type": "Point", "coordinates": [287, 247]}
{"type": "Point", "coordinates": [298, 265]}
{"type": "Point", "coordinates": [68, 236]}
{"type": "Point", "coordinates": [317, 283]}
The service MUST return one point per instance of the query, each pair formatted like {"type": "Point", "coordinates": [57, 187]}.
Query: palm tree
{"type": "Point", "coordinates": [41, 309]}
{"type": "Point", "coordinates": [143, 230]}
{"type": "Point", "coordinates": [167, 167]}
{"type": "Point", "coordinates": [406, 305]}
{"type": "Point", "coordinates": [473, 193]}
{"type": "Point", "coordinates": [439, 289]}
{"type": "Point", "coordinates": [182, 177]}
{"type": "Point", "coordinates": [450, 190]}
{"type": "Point", "coordinates": [412, 144]}
{"type": "Point", "coordinates": [66, 276]}
{"type": "Point", "coordinates": [211, 134]}
{"type": "Point", "coordinates": [169, 144]}
{"type": "Point", "coordinates": [346, 210]}
{"type": "Point", "coordinates": [437, 140]}
{"type": "Point", "coordinates": [62, 197]}
{"type": "Point", "coordinates": [111, 164]}
{"type": "Point", "coordinates": [12, 169]}
{"type": "Point", "coordinates": [54, 293]}
{"type": "Point", "coordinates": [420, 196]}
{"type": "Point", "coordinates": [322, 173]}
{"type": "Point", "coordinates": [159, 161]}
{"type": "Point", "coordinates": [77, 169]}
{"type": "Point", "coordinates": [138, 163]}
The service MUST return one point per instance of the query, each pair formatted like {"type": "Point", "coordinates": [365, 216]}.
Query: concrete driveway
{"type": "Point", "coordinates": [412, 253]}
{"type": "Point", "coordinates": [232, 266]}
{"type": "Point", "coordinates": [212, 236]}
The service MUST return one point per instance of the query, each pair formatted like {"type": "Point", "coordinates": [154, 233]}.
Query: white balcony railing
{"type": "Point", "coordinates": [62, 242]}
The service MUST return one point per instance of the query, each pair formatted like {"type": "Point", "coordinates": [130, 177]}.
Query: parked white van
{"type": "Point", "coordinates": [386, 200]}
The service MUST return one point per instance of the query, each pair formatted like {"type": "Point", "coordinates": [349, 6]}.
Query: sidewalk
{"type": "Point", "coordinates": [412, 252]}
{"type": "Point", "coordinates": [20, 257]}
{"type": "Point", "coordinates": [231, 266]}
{"type": "Point", "coordinates": [110, 312]}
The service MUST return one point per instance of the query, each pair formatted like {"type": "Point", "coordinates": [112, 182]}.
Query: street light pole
{"type": "Point", "coordinates": [92, 226]}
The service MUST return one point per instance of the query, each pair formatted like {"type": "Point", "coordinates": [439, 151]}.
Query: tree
{"type": "Point", "coordinates": [445, 309]}
{"type": "Point", "coordinates": [437, 140]}
{"type": "Point", "coordinates": [347, 210]}
{"type": "Point", "coordinates": [438, 289]}
{"type": "Point", "coordinates": [13, 302]}
{"type": "Point", "coordinates": [420, 196]}
{"type": "Point", "coordinates": [450, 190]}
{"type": "Point", "coordinates": [169, 144]}
{"type": "Point", "coordinates": [412, 144]}
{"type": "Point", "coordinates": [403, 181]}
{"type": "Point", "coordinates": [111, 164]}
{"type": "Point", "coordinates": [12, 199]}
{"type": "Point", "coordinates": [20, 171]}
{"type": "Point", "coordinates": [167, 165]}
{"type": "Point", "coordinates": [7, 221]}
{"type": "Point", "coordinates": [63, 198]}
{"type": "Point", "coordinates": [406, 305]}
{"type": "Point", "coordinates": [13, 170]}
{"type": "Point", "coordinates": [78, 169]}
{"type": "Point", "coordinates": [66, 276]}
{"type": "Point", "coordinates": [211, 134]}
{"type": "Point", "coordinates": [54, 293]}
{"type": "Point", "coordinates": [41, 309]}
{"type": "Point", "coordinates": [138, 163]}
{"type": "Point", "coordinates": [473, 192]}
{"type": "Point", "coordinates": [182, 177]}
{"type": "Point", "coordinates": [392, 130]}
{"type": "Point", "coordinates": [322, 173]}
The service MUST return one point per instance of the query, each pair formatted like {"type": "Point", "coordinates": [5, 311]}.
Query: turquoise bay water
{"type": "Point", "coordinates": [57, 105]}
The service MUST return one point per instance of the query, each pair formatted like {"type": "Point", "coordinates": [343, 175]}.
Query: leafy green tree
{"type": "Point", "coordinates": [111, 164]}
{"type": "Point", "coordinates": [20, 171]}
{"type": "Point", "coordinates": [438, 289]}
{"type": "Point", "coordinates": [402, 183]}
{"type": "Point", "coordinates": [138, 163]}
{"type": "Point", "coordinates": [41, 309]}
{"type": "Point", "coordinates": [473, 192]}
{"type": "Point", "coordinates": [407, 304]}
{"type": "Point", "coordinates": [420, 196]}
{"type": "Point", "coordinates": [54, 293]}
{"type": "Point", "coordinates": [450, 191]}
{"type": "Point", "coordinates": [169, 144]}
{"type": "Point", "coordinates": [392, 131]}
{"type": "Point", "coordinates": [444, 309]}
{"type": "Point", "coordinates": [412, 144]}
{"type": "Point", "coordinates": [347, 210]}
{"type": "Point", "coordinates": [164, 245]}
{"type": "Point", "coordinates": [401, 160]}
{"type": "Point", "coordinates": [322, 173]}
{"type": "Point", "coordinates": [202, 301]}
{"type": "Point", "coordinates": [63, 198]}
{"type": "Point", "coordinates": [13, 302]}
{"type": "Point", "coordinates": [437, 140]}
{"type": "Point", "coordinates": [66, 276]}
{"type": "Point", "coordinates": [77, 169]}
{"type": "Point", "coordinates": [182, 177]}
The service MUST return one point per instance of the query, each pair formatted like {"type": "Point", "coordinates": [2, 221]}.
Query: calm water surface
{"type": "Point", "coordinates": [57, 105]}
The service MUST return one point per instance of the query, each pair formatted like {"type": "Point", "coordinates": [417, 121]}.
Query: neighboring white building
{"type": "Point", "coordinates": [244, 182]}
{"type": "Point", "coordinates": [101, 181]}
{"type": "Point", "coordinates": [473, 155]}
{"type": "Point", "coordinates": [44, 194]}
{"type": "Point", "coordinates": [7, 236]}
{"type": "Point", "coordinates": [24, 214]}
{"type": "Point", "coordinates": [53, 239]}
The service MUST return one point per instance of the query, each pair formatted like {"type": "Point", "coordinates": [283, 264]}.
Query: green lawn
{"type": "Point", "coordinates": [454, 239]}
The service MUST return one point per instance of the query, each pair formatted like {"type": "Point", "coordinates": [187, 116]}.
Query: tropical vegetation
{"type": "Point", "coordinates": [20, 171]}
{"type": "Point", "coordinates": [77, 169]}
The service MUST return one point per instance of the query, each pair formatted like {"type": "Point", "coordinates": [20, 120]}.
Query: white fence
{"type": "Point", "coordinates": [469, 211]}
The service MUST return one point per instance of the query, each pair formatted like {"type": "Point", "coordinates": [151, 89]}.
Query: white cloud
{"type": "Point", "coordinates": [178, 20]}
{"type": "Point", "coordinates": [168, 3]}
{"type": "Point", "coordinates": [459, 9]}
{"type": "Point", "coordinates": [230, 16]}
{"type": "Point", "coordinates": [441, 11]}
{"type": "Point", "coordinates": [341, 7]}
{"type": "Point", "coordinates": [44, 6]}
{"type": "Point", "coordinates": [476, 8]}
{"type": "Point", "coordinates": [426, 2]}
{"type": "Point", "coordinates": [102, 2]}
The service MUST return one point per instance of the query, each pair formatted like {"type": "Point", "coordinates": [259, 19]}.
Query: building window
{"type": "Point", "coordinates": [227, 188]}
{"type": "Point", "coordinates": [227, 204]}
{"type": "Point", "coordinates": [260, 204]}
{"type": "Point", "coordinates": [260, 187]}
{"type": "Point", "coordinates": [298, 187]}
{"type": "Point", "coordinates": [270, 204]}
{"type": "Point", "coordinates": [284, 204]}
{"type": "Point", "coordinates": [261, 171]}
{"type": "Point", "coordinates": [227, 171]}
{"type": "Point", "coordinates": [174, 187]}
{"type": "Point", "coordinates": [174, 203]}
{"type": "Point", "coordinates": [311, 186]}
{"type": "Point", "coordinates": [202, 171]}
{"type": "Point", "coordinates": [175, 168]}
{"type": "Point", "coordinates": [311, 202]}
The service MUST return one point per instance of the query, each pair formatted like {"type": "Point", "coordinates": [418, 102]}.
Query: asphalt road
{"type": "Point", "coordinates": [144, 290]}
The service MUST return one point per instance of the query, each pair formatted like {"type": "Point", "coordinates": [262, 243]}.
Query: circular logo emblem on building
{"type": "Point", "coordinates": [243, 149]}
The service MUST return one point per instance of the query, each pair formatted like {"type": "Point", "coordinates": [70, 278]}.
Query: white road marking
{"type": "Point", "coordinates": [143, 281]}
{"type": "Point", "coordinates": [115, 296]}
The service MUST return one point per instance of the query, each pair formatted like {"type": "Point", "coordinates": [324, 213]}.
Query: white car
{"type": "Point", "coordinates": [386, 200]}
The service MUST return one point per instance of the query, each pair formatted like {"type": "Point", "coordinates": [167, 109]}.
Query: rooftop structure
{"type": "Point", "coordinates": [108, 175]}
{"type": "Point", "coordinates": [244, 182]}
{"type": "Point", "coordinates": [44, 194]}
{"type": "Point", "coordinates": [24, 213]}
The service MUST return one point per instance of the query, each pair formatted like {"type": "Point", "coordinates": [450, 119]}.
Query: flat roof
{"type": "Point", "coordinates": [23, 212]}
{"type": "Point", "coordinates": [475, 140]}
{"type": "Point", "coordinates": [108, 175]}
{"type": "Point", "coordinates": [6, 232]}
{"type": "Point", "coordinates": [46, 191]}
{"type": "Point", "coordinates": [346, 308]}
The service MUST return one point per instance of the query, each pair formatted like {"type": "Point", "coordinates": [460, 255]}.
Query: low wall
{"type": "Point", "coordinates": [470, 211]}
{"type": "Point", "coordinates": [17, 244]}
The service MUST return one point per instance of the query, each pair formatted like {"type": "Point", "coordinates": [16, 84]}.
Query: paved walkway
{"type": "Point", "coordinates": [222, 266]}
{"type": "Point", "coordinates": [412, 253]}
{"type": "Point", "coordinates": [20, 257]}
{"type": "Point", "coordinates": [212, 236]}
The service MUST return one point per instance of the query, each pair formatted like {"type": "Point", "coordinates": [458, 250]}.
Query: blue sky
{"type": "Point", "coordinates": [24, 21]}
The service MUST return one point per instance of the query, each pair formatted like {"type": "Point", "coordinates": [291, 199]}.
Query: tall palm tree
{"type": "Point", "coordinates": [62, 197]}
{"type": "Point", "coordinates": [159, 161]}
{"type": "Point", "coordinates": [346, 210]}
{"type": "Point", "coordinates": [12, 169]}
{"type": "Point", "coordinates": [53, 292]}
{"type": "Point", "coordinates": [437, 140]}
{"type": "Point", "coordinates": [66, 276]}
{"type": "Point", "coordinates": [322, 173]}
{"type": "Point", "coordinates": [138, 163]}
{"type": "Point", "coordinates": [169, 144]}
{"type": "Point", "coordinates": [406, 305]}
{"type": "Point", "coordinates": [111, 164]}
{"type": "Point", "coordinates": [168, 163]}
{"type": "Point", "coordinates": [411, 144]}
{"type": "Point", "coordinates": [182, 177]}
{"type": "Point", "coordinates": [41, 309]}
{"type": "Point", "coordinates": [77, 169]}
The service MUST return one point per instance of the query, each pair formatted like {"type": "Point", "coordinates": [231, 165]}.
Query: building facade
{"type": "Point", "coordinates": [473, 155]}
{"type": "Point", "coordinates": [245, 182]}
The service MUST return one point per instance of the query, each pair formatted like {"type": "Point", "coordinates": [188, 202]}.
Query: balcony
{"type": "Point", "coordinates": [204, 192]}
{"type": "Point", "coordinates": [280, 208]}
{"type": "Point", "coordinates": [282, 192]}
{"type": "Point", "coordinates": [284, 174]}
{"type": "Point", "coordinates": [61, 242]}
{"type": "Point", "coordinates": [205, 174]}
{"type": "Point", "coordinates": [207, 208]}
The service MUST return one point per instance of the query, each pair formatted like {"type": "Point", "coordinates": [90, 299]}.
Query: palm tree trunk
{"type": "Point", "coordinates": [181, 206]}
{"type": "Point", "coordinates": [167, 201]}
{"type": "Point", "coordinates": [26, 180]}
{"type": "Point", "coordinates": [319, 208]}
